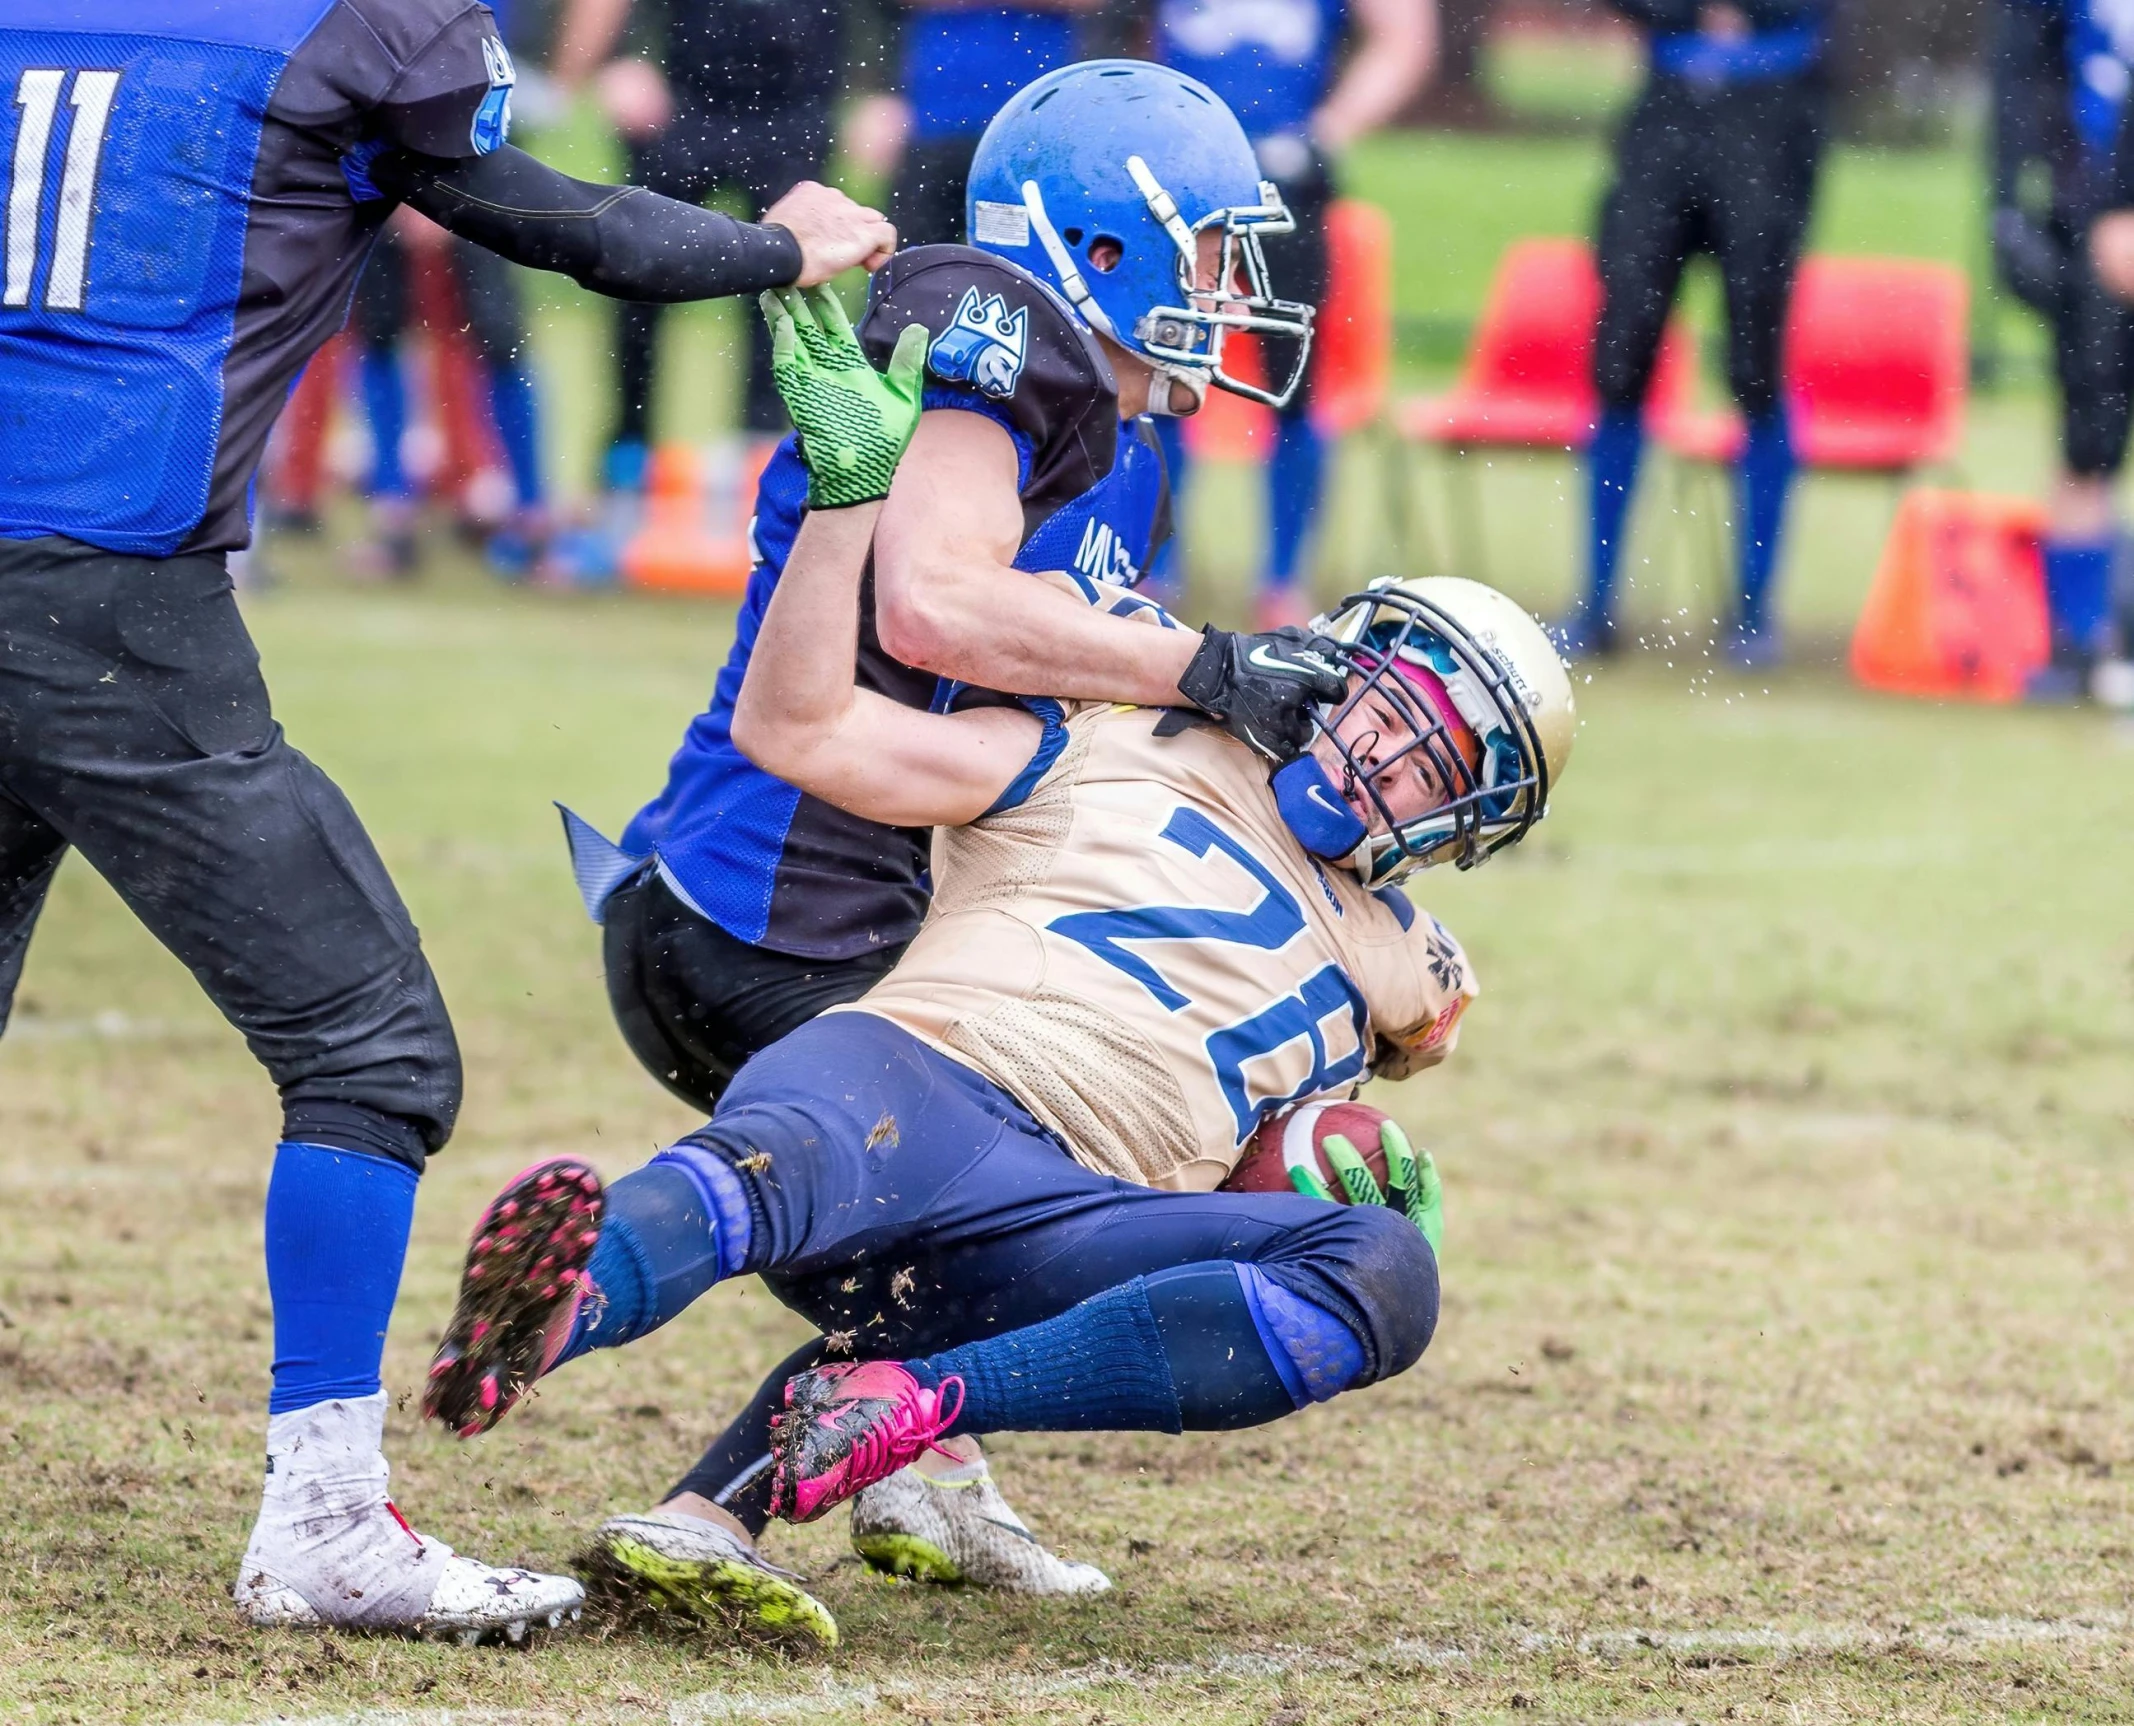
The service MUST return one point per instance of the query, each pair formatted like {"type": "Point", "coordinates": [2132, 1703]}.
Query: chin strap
{"type": "Point", "coordinates": [1182, 394]}
{"type": "Point", "coordinates": [1071, 282]}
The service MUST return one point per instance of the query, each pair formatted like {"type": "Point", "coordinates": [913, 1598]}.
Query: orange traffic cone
{"type": "Point", "coordinates": [1957, 608]}
{"type": "Point", "coordinates": [694, 538]}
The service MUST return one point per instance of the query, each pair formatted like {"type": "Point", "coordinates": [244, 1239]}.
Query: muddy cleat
{"type": "Point", "coordinates": [330, 1548]}
{"type": "Point", "coordinates": [709, 1572]}
{"type": "Point", "coordinates": [957, 1529]}
{"type": "Point", "coordinates": [518, 1295]}
{"type": "Point", "coordinates": [846, 1427]}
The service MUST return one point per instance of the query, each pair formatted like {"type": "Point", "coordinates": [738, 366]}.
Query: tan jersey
{"type": "Point", "coordinates": [1143, 956]}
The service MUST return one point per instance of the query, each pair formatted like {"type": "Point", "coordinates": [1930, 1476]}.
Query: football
{"type": "Point", "coordinates": [1300, 1132]}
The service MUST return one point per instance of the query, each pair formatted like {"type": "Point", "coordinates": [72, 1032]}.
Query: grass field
{"type": "Point", "coordinates": [1784, 1368]}
{"type": "Point", "coordinates": [1784, 1372]}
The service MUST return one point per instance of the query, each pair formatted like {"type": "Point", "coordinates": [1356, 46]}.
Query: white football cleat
{"type": "Point", "coordinates": [708, 1571]}
{"type": "Point", "coordinates": [956, 1528]}
{"type": "Point", "coordinates": [330, 1548]}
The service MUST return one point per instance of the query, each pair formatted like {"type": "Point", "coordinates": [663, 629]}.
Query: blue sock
{"type": "Point", "coordinates": [671, 1230]}
{"type": "Point", "coordinates": [1201, 1348]}
{"type": "Point", "coordinates": [518, 425]}
{"type": "Point", "coordinates": [2078, 591]}
{"type": "Point", "coordinates": [1296, 479]}
{"type": "Point", "coordinates": [1766, 475]}
{"type": "Point", "coordinates": [1611, 475]}
{"type": "Point", "coordinates": [1097, 1367]}
{"type": "Point", "coordinates": [337, 1235]}
{"type": "Point", "coordinates": [1166, 566]}
{"type": "Point", "coordinates": [385, 402]}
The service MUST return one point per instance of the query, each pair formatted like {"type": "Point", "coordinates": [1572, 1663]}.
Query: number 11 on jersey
{"type": "Point", "coordinates": [37, 106]}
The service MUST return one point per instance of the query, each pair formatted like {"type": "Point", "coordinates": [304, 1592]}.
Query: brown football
{"type": "Point", "coordinates": [1264, 1169]}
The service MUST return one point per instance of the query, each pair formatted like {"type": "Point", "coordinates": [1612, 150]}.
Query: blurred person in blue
{"type": "Point", "coordinates": [1719, 156]}
{"type": "Point", "coordinates": [196, 184]}
{"type": "Point", "coordinates": [1307, 78]}
{"type": "Point", "coordinates": [958, 63]}
{"type": "Point", "coordinates": [487, 290]}
{"type": "Point", "coordinates": [739, 102]}
{"type": "Point", "coordinates": [2061, 72]}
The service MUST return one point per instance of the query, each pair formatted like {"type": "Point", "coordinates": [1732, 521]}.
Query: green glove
{"type": "Point", "coordinates": [1412, 1186]}
{"type": "Point", "coordinates": [853, 420]}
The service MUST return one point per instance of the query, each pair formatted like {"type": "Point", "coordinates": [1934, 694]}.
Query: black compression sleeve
{"type": "Point", "coordinates": [617, 240]}
{"type": "Point", "coordinates": [1665, 15]}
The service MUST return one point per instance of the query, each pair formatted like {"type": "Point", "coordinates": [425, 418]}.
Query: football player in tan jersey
{"type": "Point", "coordinates": [987, 1180]}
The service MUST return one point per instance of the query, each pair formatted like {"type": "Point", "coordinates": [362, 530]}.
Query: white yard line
{"type": "Point", "coordinates": [712, 1707]}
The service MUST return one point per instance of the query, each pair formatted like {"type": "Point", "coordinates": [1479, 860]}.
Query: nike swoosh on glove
{"type": "Point", "coordinates": [1261, 688]}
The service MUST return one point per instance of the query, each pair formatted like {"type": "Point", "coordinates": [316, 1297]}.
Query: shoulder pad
{"type": "Point", "coordinates": [1003, 335]}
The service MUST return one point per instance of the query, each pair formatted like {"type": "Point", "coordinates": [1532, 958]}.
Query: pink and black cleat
{"type": "Point", "coordinates": [520, 1292]}
{"type": "Point", "coordinates": [846, 1427]}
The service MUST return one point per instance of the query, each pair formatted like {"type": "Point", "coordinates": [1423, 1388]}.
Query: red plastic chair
{"type": "Point", "coordinates": [1876, 370]}
{"type": "Point", "coordinates": [1528, 379]}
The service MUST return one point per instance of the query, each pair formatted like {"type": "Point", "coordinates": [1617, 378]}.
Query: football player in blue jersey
{"type": "Point", "coordinates": [195, 184]}
{"type": "Point", "coordinates": [737, 907]}
{"type": "Point", "coordinates": [2062, 69]}
{"type": "Point", "coordinates": [1280, 66]}
{"type": "Point", "coordinates": [1719, 155]}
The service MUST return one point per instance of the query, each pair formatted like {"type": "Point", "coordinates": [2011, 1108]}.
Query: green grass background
{"type": "Point", "coordinates": [1784, 1370]}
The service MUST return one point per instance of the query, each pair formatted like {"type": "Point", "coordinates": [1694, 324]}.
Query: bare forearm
{"type": "Point", "coordinates": [799, 693]}
{"type": "Point", "coordinates": [587, 33]}
{"type": "Point", "coordinates": [983, 623]}
{"type": "Point", "coordinates": [1383, 77]}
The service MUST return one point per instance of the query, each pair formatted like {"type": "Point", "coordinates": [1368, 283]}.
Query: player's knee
{"type": "Point", "coordinates": [1620, 374]}
{"type": "Point", "coordinates": [1391, 1274]}
{"type": "Point", "coordinates": [1755, 390]}
{"type": "Point", "coordinates": [386, 1079]}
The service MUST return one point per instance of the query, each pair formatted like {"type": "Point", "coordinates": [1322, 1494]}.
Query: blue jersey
{"type": "Point", "coordinates": [782, 870]}
{"type": "Point", "coordinates": [181, 236]}
{"type": "Point", "coordinates": [2100, 68]}
{"type": "Point", "coordinates": [961, 65]}
{"type": "Point", "coordinates": [1271, 60]}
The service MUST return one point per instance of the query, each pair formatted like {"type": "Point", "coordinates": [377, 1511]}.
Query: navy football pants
{"type": "Point", "coordinates": [900, 1200]}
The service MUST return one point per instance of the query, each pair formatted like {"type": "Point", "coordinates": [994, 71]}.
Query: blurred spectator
{"type": "Point", "coordinates": [2061, 72]}
{"type": "Point", "coordinates": [486, 292]}
{"type": "Point", "coordinates": [960, 62]}
{"type": "Point", "coordinates": [1274, 62]}
{"type": "Point", "coordinates": [1719, 156]}
{"type": "Point", "coordinates": [740, 103]}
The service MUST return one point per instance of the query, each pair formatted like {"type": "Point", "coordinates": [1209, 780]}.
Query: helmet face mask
{"type": "Point", "coordinates": [1189, 336]}
{"type": "Point", "coordinates": [1141, 157]}
{"type": "Point", "coordinates": [1406, 647]}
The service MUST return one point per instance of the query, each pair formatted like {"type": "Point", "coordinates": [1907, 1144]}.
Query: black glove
{"type": "Point", "coordinates": [1261, 687]}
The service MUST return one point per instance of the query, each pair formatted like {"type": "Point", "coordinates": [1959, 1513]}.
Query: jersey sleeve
{"type": "Point", "coordinates": [1421, 1025]}
{"type": "Point", "coordinates": [448, 78]}
{"type": "Point", "coordinates": [1001, 344]}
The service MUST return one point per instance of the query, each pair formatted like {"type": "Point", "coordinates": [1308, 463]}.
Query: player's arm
{"type": "Point", "coordinates": [949, 600]}
{"type": "Point", "coordinates": [626, 242]}
{"type": "Point", "coordinates": [1442, 983]}
{"type": "Point", "coordinates": [1395, 50]}
{"type": "Point", "coordinates": [584, 37]}
{"type": "Point", "coordinates": [800, 714]}
{"type": "Point", "coordinates": [1668, 15]}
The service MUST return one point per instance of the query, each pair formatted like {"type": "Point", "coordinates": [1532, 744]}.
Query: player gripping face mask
{"type": "Point", "coordinates": [738, 905]}
{"type": "Point", "coordinates": [1131, 956]}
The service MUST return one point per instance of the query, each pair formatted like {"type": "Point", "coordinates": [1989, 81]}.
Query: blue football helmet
{"type": "Point", "coordinates": [1135, 154]}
